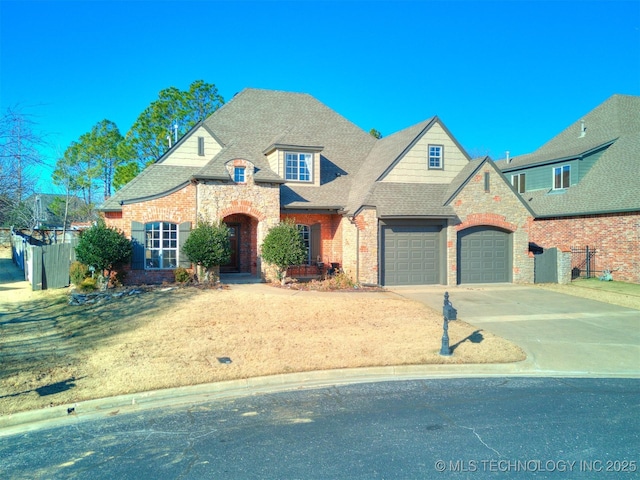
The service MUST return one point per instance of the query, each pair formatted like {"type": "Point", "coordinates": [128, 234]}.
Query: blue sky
{"type": "Point", "coordinates": [501, 75]}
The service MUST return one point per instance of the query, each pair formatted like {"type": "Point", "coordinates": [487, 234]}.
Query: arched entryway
{"type": "Point", "coordinates": [244, 248]}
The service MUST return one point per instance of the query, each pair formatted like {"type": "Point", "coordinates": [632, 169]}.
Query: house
{"type": "Point", "coordinates": [584, 187]}
{"type": "Point", "coordinates": [411, 208]}
{"type": "Point", "coordinates": [47, 210]}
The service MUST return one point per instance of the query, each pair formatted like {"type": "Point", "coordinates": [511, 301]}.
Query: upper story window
{"type": "Point", "coordinates": [161, 245]}
{"type": "Point", "coordinates": [201, 146]}
{"type": "Point", "coordinates": [435, 156]}
{"type": "Point", "coordinates": [561, 177]}
{"type": "Point", "coordinates": [518, 182]}
{"type": "Point", "coordinates": [238, 174]}
{"type": "Point", "coordinates": [298, 166]}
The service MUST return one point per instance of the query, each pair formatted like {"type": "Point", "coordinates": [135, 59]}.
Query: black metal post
{"type": "Point", "coordinates": [445, 350]}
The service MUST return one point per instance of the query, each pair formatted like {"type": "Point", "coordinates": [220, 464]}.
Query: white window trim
{"type": "Point", "coordinates": [441, 157]}
{"type": "Point", "coordinates": [309, 163]}
{"type": "Point", "coordinates": [553, 178]}
{"type": "Point", "coordinates": [161, 249]}
{"type": "Point", "coordinates": [519, 177]}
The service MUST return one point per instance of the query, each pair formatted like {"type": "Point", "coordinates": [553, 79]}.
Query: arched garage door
{"type": "Point", "coordinates": [411, 254]}
{"type": "Point", "coordinates": [484, 255]}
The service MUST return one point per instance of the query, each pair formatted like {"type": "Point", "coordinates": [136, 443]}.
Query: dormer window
{"type": "Point", "coordinates": [238, 174]}
{"type": "Point", "coordinates": [561, 177]}
{"type": "Point", "coordinates": [298, 166]}
{"type": "Point", "coordinates": [435, 160]}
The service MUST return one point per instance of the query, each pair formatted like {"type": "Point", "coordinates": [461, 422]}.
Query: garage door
{"type": "Point", "coordinates": [410, 254]}
{"type": "Point", "coordinates": [484, 255]}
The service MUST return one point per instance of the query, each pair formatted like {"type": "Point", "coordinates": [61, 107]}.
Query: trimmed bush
{"type": "Point", "coordinates": [103, 248]}
{"type": "Point", "coordinates": [284, 246]}
{"type": "Point", "coordinates": [78, 272]}
{"type": "Point", "coordinates": [182, 275]}
{"type": "Point", "coordinates": [208, 246]}
{"type": "Point", "coordinates": [88, 285]}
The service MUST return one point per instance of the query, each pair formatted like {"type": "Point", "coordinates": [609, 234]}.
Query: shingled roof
{"type": "Point", "coordinates": [611, 185]}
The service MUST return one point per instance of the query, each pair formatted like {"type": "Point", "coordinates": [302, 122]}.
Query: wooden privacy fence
{"type": "Point", "coordinates": [45, 266]}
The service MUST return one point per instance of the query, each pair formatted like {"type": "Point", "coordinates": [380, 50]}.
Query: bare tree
{"type": "Point", "coordinates": [20, 143]}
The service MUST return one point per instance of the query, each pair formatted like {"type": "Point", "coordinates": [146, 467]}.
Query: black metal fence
{"type": "Point", "coordinates": [583, 262]}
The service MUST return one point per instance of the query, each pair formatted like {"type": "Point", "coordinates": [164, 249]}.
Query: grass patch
{"type": "Point", "coordinates": [53, 353]}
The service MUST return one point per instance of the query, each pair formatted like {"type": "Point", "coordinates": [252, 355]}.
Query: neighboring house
{"type": "Point", "coordinates": [584, 186]}
{"type": "Point", "coordinates": [48, 210]}
{"type": "Point", "coordinates": [411, 208]}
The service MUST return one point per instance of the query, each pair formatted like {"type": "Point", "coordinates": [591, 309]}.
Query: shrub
{"type": "Point", "coordinates": [103, 248]}
{"type": "Point", "coordinates": [283, 246]}
{"type": "Point", "coordinates": [89, 284]}
{"type": "Point", "coordinates": [208, 246]}
{"type": "Point", "coordinates": [182, 275]}
{"type": "Point", "coordinates": [78, 272]}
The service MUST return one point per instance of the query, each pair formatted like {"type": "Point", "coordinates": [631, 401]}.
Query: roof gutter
{"type": "Point", "coordinates": [585, 214]}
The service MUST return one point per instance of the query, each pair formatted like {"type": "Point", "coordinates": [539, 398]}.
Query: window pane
{"type": "Point", "coordinates": [169, 259]}
{"type": "Point", "coordinates": [304, 167]}
{"type": "Point", "coordinates": [557, 182]}
{"type": "Point", "coordinates": [161, 245]}
{"type": "Point", "coordinates": [565, 176]}
{"type": "Point", "coordinates": [305, 233]}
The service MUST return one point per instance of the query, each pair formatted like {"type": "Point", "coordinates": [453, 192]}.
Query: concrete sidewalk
{"type": "Point", "coordinates": [561, 334]}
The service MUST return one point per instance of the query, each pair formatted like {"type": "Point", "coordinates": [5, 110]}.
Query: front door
{"type": "Point", "coordinates": [234, 240]}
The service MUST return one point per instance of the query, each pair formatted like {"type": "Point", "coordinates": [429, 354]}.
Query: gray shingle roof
{"type": "Point", "coordinates": [153, 181]}
{"type": "Point", "coordinates": [612, 184]}
{"type": "Point", "coordinates": [384, 152]}
{"type": "Point", "coordinates": [256, 119]}
{"type": "Point", "coordinates": [410, 200]}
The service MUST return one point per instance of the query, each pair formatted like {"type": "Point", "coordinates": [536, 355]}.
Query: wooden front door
{"type": "Point", "coordinates": [234, 240]}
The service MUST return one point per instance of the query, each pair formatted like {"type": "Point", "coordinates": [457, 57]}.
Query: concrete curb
{"type": "Point", "coordinates": [189, 395]}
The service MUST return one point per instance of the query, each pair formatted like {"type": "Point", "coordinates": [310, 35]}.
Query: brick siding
{"type": "Point", "coordinates": [498, 207]}
{"type": "Point", "coordinates": [615, 236]}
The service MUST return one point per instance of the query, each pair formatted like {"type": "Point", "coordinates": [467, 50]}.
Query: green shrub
{"type": "Point", "coordinates": [103, 248]}
{"type": "Point", "coordinates": [284, 246]}
{"type": "Point", "coordinates": [182, 275]}
{"type": "Point", "coordinates": [78, 272]}
{"type": "Point", "coordinates": [89, 285]}
{"type": "Point", "coordinates": [208, 246]}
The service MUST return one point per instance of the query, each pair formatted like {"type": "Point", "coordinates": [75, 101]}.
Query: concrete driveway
{"type": "Point", "coordinates": [560, 333]}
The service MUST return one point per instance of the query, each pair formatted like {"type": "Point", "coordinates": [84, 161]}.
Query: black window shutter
{"type": "Point", "coordinates": [137, 238]}
{"type": "Point", "coordinates": [315, 242]}
{"type": "Point", "coordinates": [184, 230]}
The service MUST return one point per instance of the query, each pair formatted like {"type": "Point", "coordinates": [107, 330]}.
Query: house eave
{"type": "Point", "coordinates": [289, 147]}
{"type": "Point", "coordinates": [566, 158]}
{"type": "Point", "coordinates": [587, 213]}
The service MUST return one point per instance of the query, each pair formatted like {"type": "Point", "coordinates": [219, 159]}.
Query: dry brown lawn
{"type": "Point", "coordinates": [52, 353]}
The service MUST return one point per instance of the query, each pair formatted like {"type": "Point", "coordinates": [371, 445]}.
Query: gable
{"type": "Point", "coordinates": [413, 167]}
{"type": "Point", "coordinates": [195, 150]}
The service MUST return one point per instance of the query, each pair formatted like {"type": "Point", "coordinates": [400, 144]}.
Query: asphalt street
{"type": "Point", "coordinates": [465, 428]}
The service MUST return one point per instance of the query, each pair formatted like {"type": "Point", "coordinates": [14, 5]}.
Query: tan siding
{"type": "Point", "coordinates": [412, 168]}
{"type": "Point", "coordinates": [276, 162]}
{"type": "Point", "coordinates": [187, 153]}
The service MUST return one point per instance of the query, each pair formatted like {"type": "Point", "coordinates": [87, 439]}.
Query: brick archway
{"type": "Point", "coordinates": [242, 207]}
{"type": "Point", "coordinates": [244, 243]}
{"type": "Point", "coordinates": [489, 219]}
